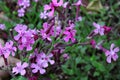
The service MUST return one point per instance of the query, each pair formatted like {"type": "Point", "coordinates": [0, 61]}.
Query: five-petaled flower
{"type": "Point", "coordinates": [112, 53]}
{"type": "Point", "coordinates": [20, 68]}
{"type": "Point", "coordinates": [99, 29]}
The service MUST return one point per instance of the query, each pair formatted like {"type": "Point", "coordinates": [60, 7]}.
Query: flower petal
{"type": "Point", "coordinates": [109, 59]}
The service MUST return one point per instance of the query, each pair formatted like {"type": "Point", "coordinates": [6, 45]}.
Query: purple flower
{"type": "Point", "coordinates": [1, 49]}
{"type": "Point", "coordinates": [42, 62]}
{"type": "Point", "coordinates": [99, 29]}
{"type": "Point", "coordinates": [9, 48]}
{"type": "Point", "coordinates": [66, 56]}
{"type": "Point", "coordinates": [24, 3]}
{"type": "Point", "coordinates": [2, 26]}
{"type": "Point", "coordinates": [43, 15]}
{"type": "Point", "coordinates": [69, 33]}
{"type": "Point", "coordinates": [49, 8]}
{"type": "Point", "coordinates": [45, 58]}
{"type": "Point", "coordinates": [112, 53]}
{"type": "Point", "coordinates": [25, 37]}
{"type": "Point", "coordinates": [38, 67]}
{"type": "Point", "coordinates": [65, 5]}
{"type": "Point", "coordinates": [56, 3]}
{"type": "Point", "coordinates": [44, 33]}
{"type": "Point", "coordinates": [21, 12]}
{"type": "Point", "coordinates": [20, 68]}
{"type": "Point", "coordinates": [21, 29]}
{"type": "Point", "coordinates": [78, 3]}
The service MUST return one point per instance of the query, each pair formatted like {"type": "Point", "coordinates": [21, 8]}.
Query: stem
{"type": "Point", "coordinates": [77, 12]}
{"type": "Point", "coordinates": [5, 60]}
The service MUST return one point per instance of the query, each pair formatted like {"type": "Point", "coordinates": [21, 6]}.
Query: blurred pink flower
{"type": "Point", "coordinates": [21, 12]}
{"type": "Point", "coordinates": [112, 53]}
{"type": "Point", "coordinates": [78, 3]}
{"type": "Point", "coordinates": [20, 68]}
{"type": "Point", "coordinates": [43, 15]}
{"type": "Point", "coordinates": [37, 67]}
{"type": "Point", "coordinates": [69, 33]}
{"type": "Point", "coordinates": [99, 29]}
{"type": "Point", "coordinates": [2, 26]}
{"type": "Point", "coordinates": [42, 63]}
{"type": "Point", "coordinates": [56, 3]}
{"type": "Point", "coordinates": [9, 48]}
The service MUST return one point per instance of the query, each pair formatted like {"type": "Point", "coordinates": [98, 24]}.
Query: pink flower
{"type": "Point", "coordinates": [20, 68]}
{"type": "Point", "coordinates": [43, 15]}
{"type": "Point", "coordinates": [56, 3]}
{"type": "Point", "coordinates": [99, 29]}
{"type": "Point", "coordinates": [38, 67]}
{"type": "Point", "coordinates": [2, 26]}
{"type": "Point", "coordinates": [25, 37]}
{"type": "Point", "coordinates": [78, 3]}
{"type": "Point", "coordinates": [21, 29]}
{"type": "Point", "coordinates": [24, 3]}
{"type": "Point", "coordinates": [107, 29]}
{"type": "Point", "coordinates": [45, 58]}
{"type": "Point", "coordinates": [69, 33]}
{"type": "Point", "coordinates": [21, 12]}
{"type": "Point", "coordinates": [65, 5]}
{"type": "Point", "coordinates": [112, 53]}
{"type": "Point", "coordinates": [93, 43]}
{"type": "Point", "coordinates": [66, 56]}
{"type": "Point", "coordinates": [49, 8]}
{"type": "Point", "coordinates": [44, 33]}
{"type": "Point", "coordinates": [42, 62]}
{"type": "Point", "coordinates": [9, 48]}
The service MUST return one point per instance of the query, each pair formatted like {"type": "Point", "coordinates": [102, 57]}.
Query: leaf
{"type": "Point", "coordinates": [19, 78]}
{"type": "Point", "coordinates": [95, 5]}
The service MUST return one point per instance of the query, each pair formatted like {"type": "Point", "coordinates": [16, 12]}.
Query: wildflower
{"type": "Point", "coordinates": [21, 12]}
{"type": "Point", "coordinates": [107, 29]}
{"type": "Point", "coordinates": [44, 33]}
{"type": "Point", "coordinates": [21, 29]}
{"type": "Point", "coordinates": [78, 3]}
{"type": "Point", "coordinates": [99, 29]}
{"type": "Point", "coordinates": [79, 18]}
{"type": "Point", "coordinates": [65, 5]}
{"type": "Point", "coordinates": [10, 48]}
{"type": "Point", "coordinates": [25, 37]}
{"type": "Point", "coordinates": [38, 67]}
{"type": "Point", "coordinates": [51, 7]}
{"type": "Point", "coordinates": [43, 15]}
{"type": "Point", "coordinates": [45, 58]}
{"type": "Point", "coordinates": [24, 3]}
{"type": "Point", "coordinates": [112, 53]}
{"type": "Point", "coordinates": [2, 26]}
{"type": "Point", "coordinates": [42, 62]}
{"type": "Point", "coordinates": [20, 68]}
{"type": "Point", "coordinates": [56, 4]}
{"type": "Point", "coordinates": [69, 33]}
{"type": "Point", "coordinates": [66, 56]}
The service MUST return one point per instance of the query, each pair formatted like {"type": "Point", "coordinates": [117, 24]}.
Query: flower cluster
{"type": "Point", "coordinates": [23, 4]}
{"type": "Point", "coordinates": [41, 62]}
{"type": "Point", "coordinates": [8, 49]}
{"type": "Point", "coordinates": [25, 38]}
